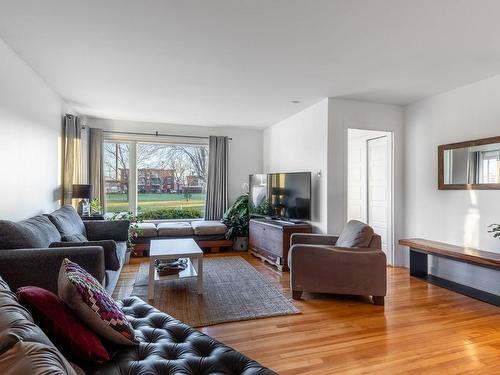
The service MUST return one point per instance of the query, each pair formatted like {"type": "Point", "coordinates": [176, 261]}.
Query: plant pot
{"type": "Point", "coordinates": [240, 243]}
{"type": "Point", "coordinates": [127, 255]}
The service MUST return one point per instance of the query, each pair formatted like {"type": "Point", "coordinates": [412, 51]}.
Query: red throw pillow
{"type": "Point", "coordinates": [60, 324]}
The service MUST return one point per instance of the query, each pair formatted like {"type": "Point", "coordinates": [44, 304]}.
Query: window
{"type": "Point", "coordinates": [171, 180]}
{"type": "Point", "coordinates": [490, 167]}
{"type": "Point", "coordinates": [156, 180]}
{"type": "Point", "coordinates": [116, 176]}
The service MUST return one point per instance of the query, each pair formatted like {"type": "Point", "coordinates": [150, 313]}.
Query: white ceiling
{"type": "Point", "coordinates": [240, 63]}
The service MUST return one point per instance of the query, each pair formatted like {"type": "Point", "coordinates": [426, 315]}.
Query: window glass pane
{"type": "Point", "coordinates": [491, 167]}
{"type": "Point", "coordinates": [116, 176]}
{"type": "Point", "coordinates": [171, 180]}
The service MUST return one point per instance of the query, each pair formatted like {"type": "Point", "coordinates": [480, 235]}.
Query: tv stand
{"type": "Point", "coordinates": [281, 219]}
{"type": "Point", "coordinates": [269, 240]}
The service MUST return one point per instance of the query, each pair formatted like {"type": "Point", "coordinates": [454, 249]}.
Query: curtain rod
{"type": "Point", "coordinates": [156, 134]}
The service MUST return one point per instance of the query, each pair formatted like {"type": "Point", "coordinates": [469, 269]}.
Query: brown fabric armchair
{"type": "Point", "coordinates": [352, 263]}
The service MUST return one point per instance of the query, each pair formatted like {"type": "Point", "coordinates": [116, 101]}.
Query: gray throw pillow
{"type": "Point", "coordinates": [355, 234]}
{"type": "Point", "coordinates": [35, 232]}
{"type": "Point", "coordinates": [67, 221]}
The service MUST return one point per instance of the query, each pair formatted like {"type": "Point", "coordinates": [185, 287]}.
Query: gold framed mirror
{"type": "Point", "coordinates": [471, 165]}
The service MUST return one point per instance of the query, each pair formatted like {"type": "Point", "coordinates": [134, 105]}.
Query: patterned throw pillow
{"type": "Point", "coordinates": [93, 305]}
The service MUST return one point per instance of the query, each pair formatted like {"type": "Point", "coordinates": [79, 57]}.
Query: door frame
{"type": "Point", "coordinates": [390, 136]}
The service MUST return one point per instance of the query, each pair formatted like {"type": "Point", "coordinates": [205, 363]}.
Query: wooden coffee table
{"type": "Point", "coordinates": [172, 249]}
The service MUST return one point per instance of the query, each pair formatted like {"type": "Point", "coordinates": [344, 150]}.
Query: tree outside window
{"type": "Point", "coordinates": [171, 179]}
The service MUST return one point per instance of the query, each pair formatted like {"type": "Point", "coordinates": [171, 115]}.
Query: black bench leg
{"type": "Point", "coordinates": [418, 264]}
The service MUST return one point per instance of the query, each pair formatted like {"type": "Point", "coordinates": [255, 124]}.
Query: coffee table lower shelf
{"type": "Point", "coordinates": [190, 271]}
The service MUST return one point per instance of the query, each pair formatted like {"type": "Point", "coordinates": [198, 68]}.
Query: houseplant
{"type": "Point", "coordinates": [95, 207]}
{"type": "Point", "coordinates": [495, 229]}
{"type": "Point", "coordinates": [236, 219]}
{"type": "Point", "coordinates": [134, 230]}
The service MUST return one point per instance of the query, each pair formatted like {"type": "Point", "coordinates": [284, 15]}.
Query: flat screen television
{"type": "Point", "coordinates": [284, 196]}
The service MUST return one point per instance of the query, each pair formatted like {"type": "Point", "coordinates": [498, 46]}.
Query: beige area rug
{"type": "Point", "coordinates": [232, 290]}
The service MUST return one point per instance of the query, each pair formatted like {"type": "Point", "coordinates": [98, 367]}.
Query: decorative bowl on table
{"type": "Point", "coordinates": [170, 266]}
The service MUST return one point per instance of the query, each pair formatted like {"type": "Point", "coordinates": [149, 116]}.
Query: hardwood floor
{"type": "Point", "coordinates": [423, 329]}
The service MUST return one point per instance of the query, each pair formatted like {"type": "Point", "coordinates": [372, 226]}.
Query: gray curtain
{"type": "Point", "coordinates": [96, 166]}
{"type": "Point", "coordinates": [216, 203]}
{"type": "Point", "coordinates": [72, 156]}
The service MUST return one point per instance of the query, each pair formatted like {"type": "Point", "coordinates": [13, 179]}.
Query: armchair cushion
{"type": "Point", "coordinates": [67, 221]}
{"type": "Point", "coordinates": [111, 261]}
{"type": "Point", "coordinates": [355, 234]}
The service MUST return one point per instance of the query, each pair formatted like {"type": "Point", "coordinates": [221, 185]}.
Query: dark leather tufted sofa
{"type": "Point", "coordinates": [167, 346]}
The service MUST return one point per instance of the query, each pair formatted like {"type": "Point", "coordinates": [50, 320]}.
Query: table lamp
{"type": "Point", "coordinates": [84, 192]}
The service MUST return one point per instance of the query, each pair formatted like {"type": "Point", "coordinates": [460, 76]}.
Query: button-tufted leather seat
{"type": "Point", "coordinates": [24, 347]}
{"type": "Point", "coordinates": [168, 346]}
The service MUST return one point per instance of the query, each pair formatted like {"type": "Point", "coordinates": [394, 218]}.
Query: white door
{"type": "Point", "coordinates": [379, 189]}
{"type": "Point", "coordinates": [356, 176]}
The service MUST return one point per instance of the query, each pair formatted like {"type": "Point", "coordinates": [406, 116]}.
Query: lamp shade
{"type": "Point", "coordinates": [82, 191]}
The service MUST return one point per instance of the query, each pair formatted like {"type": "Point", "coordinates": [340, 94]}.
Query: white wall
{"type": "Point", "coordinates": [30, 130]}
{"type": "Point", "coordinates": [458, 217]}
{"type": "Point", "coordinates": [345, 114]}
{"type": "Point", "coordinates": [245, 148]}
{"type": "Point", "coordinates": [299, 144]}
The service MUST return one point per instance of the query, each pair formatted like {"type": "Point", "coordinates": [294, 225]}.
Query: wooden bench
{"type": "Point", "coordinates": [421, 248]}
{"type": "Point", "coordinates": [213, 245]}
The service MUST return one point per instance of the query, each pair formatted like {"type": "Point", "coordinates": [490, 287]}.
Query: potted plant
{"type": "Point", "coordinates": [495, 229]}
{"type": "Point", "coordinates": [95, 207]}
{"type": "Point", "coordinates": [236, 219]}
{"type": "Point", "coordinates": [134, 230]}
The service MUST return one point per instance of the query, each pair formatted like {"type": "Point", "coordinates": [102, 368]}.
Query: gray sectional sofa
{"type": "Point", "coordinates": [31, 251]}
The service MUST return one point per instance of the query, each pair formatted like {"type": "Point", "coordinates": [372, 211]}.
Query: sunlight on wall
{"type": "Point", "coordinates": [471, 222]}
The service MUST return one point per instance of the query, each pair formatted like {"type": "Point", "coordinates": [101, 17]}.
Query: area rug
{"type": "Point", "coordinates": [233, 290]}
